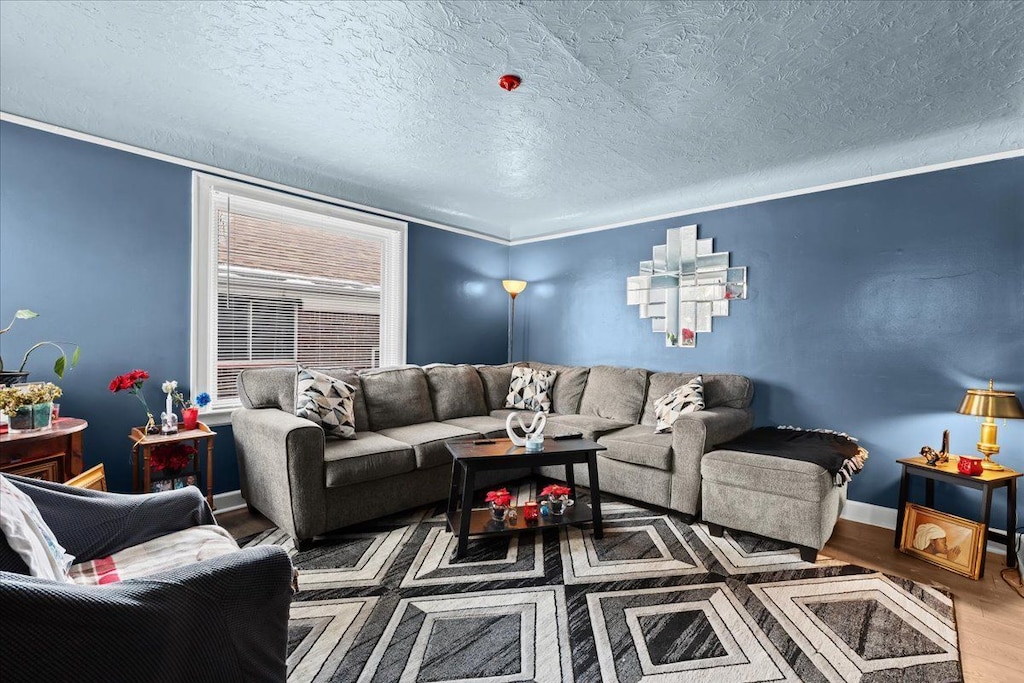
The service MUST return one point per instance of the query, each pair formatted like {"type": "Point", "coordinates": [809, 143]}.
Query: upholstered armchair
{"type": "Point", "coordinates": [219, 619]}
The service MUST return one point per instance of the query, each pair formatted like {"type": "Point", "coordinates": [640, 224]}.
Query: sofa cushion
{"type": "Point", "coordinates": [275, 388]}
{"type": "Point", "coordinates": [368, 457]}
{"type": "Point", "coordinates": [482, 424]}
{"type": "Point", "coordinates": [568, 387]}
{"type": "Point", "coordinates": [639, 445]}
{"type": "Point", "coordinates": [592, 427]}
{"type": "Point", "coordinates": [268, 388]}
{"type": "Point", "coordinates": [325, 401]}
{"type": "Point", "coordinates": [427, 441]}
{"type": "Point", "coordinates": [164, 553]}
{"type": "Point", "coordinates": [496, 379]}
{"type": "Point", "coordinates": [396, 397]}
{"type": "Point", "coordinates": [731, 391]}
{"type": "Point", "coordinates": [686, 398]}
{"type": "Point", "coordinates": [615, 393]}
{"type": "Point", "coordinates": [351, 378]}
{"type": "Point", "coordinates": [455, 391]}
{"type": "Point", "coordinates": [767, 474]}
{"type": "Point", "coordinates": [530, 389]}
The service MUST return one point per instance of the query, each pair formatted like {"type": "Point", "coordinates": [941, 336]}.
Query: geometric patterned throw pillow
{"type": "Point", "coordinates": [688, 398]}
{"type": "Point", "coordinates": [530, 389]}
{"type": "Point", "coordinates": [327, 402]}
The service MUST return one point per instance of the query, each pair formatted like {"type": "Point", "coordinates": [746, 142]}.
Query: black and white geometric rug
{"type": "Point", "coordinates": [655, 601]}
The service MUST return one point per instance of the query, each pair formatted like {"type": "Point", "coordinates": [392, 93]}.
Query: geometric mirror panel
{"type": "Point", "coordinates": [684, 286]}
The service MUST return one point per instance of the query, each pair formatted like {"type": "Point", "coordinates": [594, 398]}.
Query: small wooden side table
{"type": "Point", "coordinates": [52, 454]}
{"type": "Point", "coordinates": [986, 482]}
{"type": "Point", "coordinates": [143, 444]}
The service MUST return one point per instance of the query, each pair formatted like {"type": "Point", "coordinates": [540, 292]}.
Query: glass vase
{"type": "Point", "coordinates": [498, 512]}
{"type": "Point", "coordinates": [30, 418]}
{"type": "Point", "coordinates": [558, 505]}
{"type": "Point", "coordinates": [189, 418]}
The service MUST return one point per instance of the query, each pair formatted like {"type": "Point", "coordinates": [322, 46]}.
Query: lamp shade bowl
{"type": "Point", "coordinates": [513, 287]}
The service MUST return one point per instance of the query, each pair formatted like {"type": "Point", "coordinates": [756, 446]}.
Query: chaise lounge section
{"type": "Point", "coordinates": [309, 485]}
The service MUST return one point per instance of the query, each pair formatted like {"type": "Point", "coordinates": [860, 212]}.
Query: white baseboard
{"type": "Point", "coordinates": [877, 515]}
{"type": "Point", "coordinates": [228, 501]}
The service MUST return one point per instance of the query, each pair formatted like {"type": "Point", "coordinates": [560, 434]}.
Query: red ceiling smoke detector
{"type": "Point", "coordinates": [509, 82]}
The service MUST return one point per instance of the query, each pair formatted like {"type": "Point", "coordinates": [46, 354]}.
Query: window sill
{"type": "Point", "coordinates": [217, 417]}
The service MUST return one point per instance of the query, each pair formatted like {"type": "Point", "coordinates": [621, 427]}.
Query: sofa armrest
{"type": "Point", "coordinates": [91, 524]}
{"type": "Point", "coordinates": [693, 435]}
{"type": "Point", "coordinates": [281, 464]}
{"type": "Point", "coordinates": [223, 619]}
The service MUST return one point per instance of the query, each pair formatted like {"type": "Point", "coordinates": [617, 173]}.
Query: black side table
{"type": "Point", "coordinates": [472, 456]}
{"type": "Point", "coordinates": [987, 482]}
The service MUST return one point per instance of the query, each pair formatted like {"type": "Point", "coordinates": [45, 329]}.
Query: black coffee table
{"type": "Point", "coordinates": [471, 456]}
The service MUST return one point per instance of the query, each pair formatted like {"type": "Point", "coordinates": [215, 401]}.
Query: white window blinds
{"type": "Point", "coordinates": [281, 280]}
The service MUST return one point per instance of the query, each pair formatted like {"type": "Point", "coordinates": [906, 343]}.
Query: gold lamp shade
{"type": "Point", "coordinates": [990, 404]}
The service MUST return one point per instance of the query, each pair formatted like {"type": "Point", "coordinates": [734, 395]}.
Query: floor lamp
{"type": "Point", "coordinates": [513, 287]}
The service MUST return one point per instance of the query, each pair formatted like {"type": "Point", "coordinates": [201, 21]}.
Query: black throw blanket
{"type": "Point", "coordinates": [837, 453]}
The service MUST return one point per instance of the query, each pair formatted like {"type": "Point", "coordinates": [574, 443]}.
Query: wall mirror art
{"type": "Point", "coordinates": [684, 286]}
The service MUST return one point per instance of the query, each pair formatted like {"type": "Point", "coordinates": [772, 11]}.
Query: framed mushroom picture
{"type": "Point", "coordinates": [953, 543]}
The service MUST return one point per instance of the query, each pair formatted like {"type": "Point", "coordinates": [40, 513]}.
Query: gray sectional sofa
{"type": "Point", "coordinates": [308, 485]}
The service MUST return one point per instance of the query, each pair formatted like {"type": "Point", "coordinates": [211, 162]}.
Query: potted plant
{"type": "Point", "coordinates": [189, 407]}
{"type": "Point", "coordinates": [61, 364]}
{"type": "Point", "coordinates": [28, 406]}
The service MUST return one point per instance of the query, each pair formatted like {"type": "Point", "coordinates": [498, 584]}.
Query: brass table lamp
{"type": "Point", "coordinates": [990, 404]}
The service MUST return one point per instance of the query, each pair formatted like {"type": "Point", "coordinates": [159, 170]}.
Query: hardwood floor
{"type": "Point", "coordinates": [989, 613]}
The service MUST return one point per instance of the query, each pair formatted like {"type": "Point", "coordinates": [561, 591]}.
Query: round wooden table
{"type": "Point", "coordinates": [53, 453]}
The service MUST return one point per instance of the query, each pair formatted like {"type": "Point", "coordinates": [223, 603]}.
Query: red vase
{"type": "Point", "coordinates": [190, 418]}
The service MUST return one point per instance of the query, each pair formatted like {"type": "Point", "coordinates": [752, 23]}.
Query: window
{"type": "Point", "coordinates": [279, 280]}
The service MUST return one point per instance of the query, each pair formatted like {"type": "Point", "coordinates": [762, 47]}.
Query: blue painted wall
{"type": "Point", "coordinates": [97, 242]}
{"type": "Point", "coordinates": [457, 310]}
{"type": "Point", "coordinates": [871, 309]}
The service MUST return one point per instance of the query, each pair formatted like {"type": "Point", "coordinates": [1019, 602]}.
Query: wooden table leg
{"type": "Point", "coordinates": [904, 488]}
{"type": "Point", "coordinates": [135, 468]}
{"type": "Point", "coordinates": [467, 510]}
{"type": "Point", "coordinates": [209, 472]}
{"type": "Point", "coordinates": [453, 495]}
{"type": "Point", "coordinates": [570, 477]}
{"type": "Point", "coordinates": [1011, 522]}
{"type": "Point", "coordinates": [595, 495]}
{"type": "Point", "coordinates": [146, 474]}
{"type": "Point", "coordinates": [986, 512]}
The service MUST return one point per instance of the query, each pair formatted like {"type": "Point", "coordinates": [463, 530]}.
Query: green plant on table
{"type": "Point", "coordinates": [61, 364]}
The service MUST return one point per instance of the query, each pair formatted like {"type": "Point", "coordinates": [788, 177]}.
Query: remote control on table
{"type": "Point", "coordinates": [565, 437]}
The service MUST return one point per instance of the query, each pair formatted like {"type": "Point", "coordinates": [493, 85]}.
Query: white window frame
{"type": "Point", "coordinates": [391, 234]}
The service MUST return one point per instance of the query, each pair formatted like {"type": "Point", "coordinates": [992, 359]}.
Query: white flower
{"type": "Point", "coordinates": [169, 386]}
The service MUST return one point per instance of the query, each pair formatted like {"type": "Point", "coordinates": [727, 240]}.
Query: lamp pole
{"type": "Point", "coordinates": [513, 287]}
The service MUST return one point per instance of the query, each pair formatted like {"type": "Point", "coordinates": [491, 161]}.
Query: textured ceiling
{"type": "Point", "coordinates": [627, 109]}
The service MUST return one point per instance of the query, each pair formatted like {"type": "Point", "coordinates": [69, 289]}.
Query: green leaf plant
{"type": "Point", "coordinates": [61, 364]}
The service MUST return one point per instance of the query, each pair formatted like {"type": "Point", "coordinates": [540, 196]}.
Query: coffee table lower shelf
{"type": "Point", "coordinates": [481, 522]}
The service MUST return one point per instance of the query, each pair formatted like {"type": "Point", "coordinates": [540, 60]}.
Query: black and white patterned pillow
{"type": "Point", "coordinates": [687, 398]}
{"type": "Point", "coordinates": [530, 389]}
{"type": "Point", "coordinates": [327, 402]}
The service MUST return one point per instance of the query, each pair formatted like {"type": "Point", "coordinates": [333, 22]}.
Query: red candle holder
{"type": "Point", "coordinates": [530, 511]}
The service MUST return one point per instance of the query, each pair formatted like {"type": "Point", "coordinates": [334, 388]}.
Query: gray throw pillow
{"type": "Point", "coordinates": [687, 398]}
{"type": "Point", "coordinates": [327, 402]}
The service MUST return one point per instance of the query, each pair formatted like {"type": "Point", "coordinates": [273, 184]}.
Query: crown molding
{"type": "Point", "coordinates": [194, 165]}
{"type": "Point", "coordinates": [918, 170]}
{"type": "Point", "coordinates": [224, 173]}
